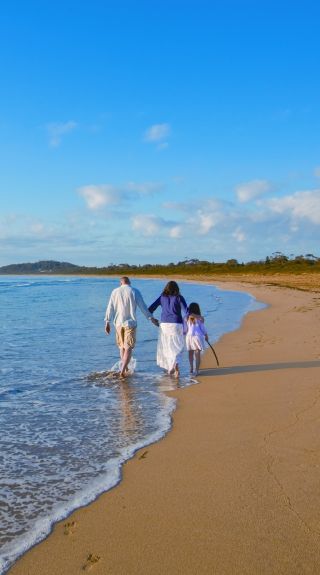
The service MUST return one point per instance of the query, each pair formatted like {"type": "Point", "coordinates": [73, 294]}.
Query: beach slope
{"type": "Point", "coordinates": [234, 487]}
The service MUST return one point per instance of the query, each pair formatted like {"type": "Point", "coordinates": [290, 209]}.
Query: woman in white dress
{"type": "Point", "coordinates": [171, 339]}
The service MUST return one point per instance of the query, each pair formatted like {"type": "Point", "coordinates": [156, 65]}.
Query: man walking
{"type": "Point", "coordinates": [121, 309]}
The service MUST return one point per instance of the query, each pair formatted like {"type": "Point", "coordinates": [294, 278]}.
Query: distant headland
{"type": "Point", "coordinates": [277, 263]}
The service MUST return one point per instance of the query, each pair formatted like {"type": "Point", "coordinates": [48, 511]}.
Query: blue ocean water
{"type": "Point", "coordinates": [65, 428]}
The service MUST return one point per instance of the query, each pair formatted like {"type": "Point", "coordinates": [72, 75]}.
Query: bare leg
{"type": "Point", "coordinates": [122, 351]}
{"type": "Point", "coordinates": [125, 360]}
{"type": "Point", "coordinates": [197, 354]}
{"type": "Point", "coordinates": [191, 360]}
{"type": "Point", "coordinates": [176, 371]}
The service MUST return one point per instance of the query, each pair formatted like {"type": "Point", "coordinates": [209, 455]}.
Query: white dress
{"type": "Point", "coordinates": [195, 333]}
{"type": "Point", "coordinates": [170, 345]}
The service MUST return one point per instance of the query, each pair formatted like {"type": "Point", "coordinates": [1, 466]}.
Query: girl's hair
{"type": "Point", "coordinates": [194, 308]}
{"type": "Point", "coordinates": [171, 288]}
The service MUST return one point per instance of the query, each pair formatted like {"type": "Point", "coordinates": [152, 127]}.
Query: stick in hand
{"type": "Point", "coordinates": [214, 353]}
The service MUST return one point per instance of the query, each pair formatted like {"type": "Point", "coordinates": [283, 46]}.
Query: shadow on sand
{"type": "Point", "coordinates": [259, 367]}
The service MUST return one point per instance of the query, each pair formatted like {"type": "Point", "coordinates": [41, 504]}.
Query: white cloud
{"type": "Point", "coordinates": [97, 197]}
{"type": "Point", "coordinates": [157, 134]}
{"type": "Point", "coordinates": [176, 232]}
{"type": "Point", "coordinates": [251, 190]}
{"type": "Point", "coordinates": [148, 224]}
{"type": "Point", "coordinates": [239, 235]}
{"type": "Point", "coordinates": [151, 225]}
{"type": "Point", "coordinates": [56, 130]}
{"type": "Point", "coordinates": [205, 221]}
{"type": "Point", "coordinates": [305, 204]}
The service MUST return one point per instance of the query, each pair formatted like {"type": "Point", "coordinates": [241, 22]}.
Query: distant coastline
{"type": "Point", "coordinates": [300, 272]}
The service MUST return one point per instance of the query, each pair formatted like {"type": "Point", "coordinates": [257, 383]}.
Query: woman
{"type": "Point", "coordinates": [171, 340]}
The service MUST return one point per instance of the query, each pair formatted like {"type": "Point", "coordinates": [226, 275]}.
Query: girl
{"type": "Point", "coordinates": [196, 335]}
{"type": "Point", "coordinates": [170, 341]}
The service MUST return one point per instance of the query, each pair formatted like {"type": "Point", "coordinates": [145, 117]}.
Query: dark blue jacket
{"type": "Point", "coordinates": [171, 308]}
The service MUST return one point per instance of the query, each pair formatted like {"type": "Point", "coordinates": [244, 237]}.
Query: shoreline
{"type": "Point", "coordinates": [119, 527]}
{"type": "Point", "coordinates": [304, 281]}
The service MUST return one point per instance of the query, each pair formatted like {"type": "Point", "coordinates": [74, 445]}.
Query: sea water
{"type": "Point", "coordinates": [65, 427]}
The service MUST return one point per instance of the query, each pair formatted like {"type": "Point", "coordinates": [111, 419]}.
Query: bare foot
{"type": "Point", "coordinates": [176, 372]}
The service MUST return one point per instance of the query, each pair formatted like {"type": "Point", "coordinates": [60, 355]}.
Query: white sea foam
{"type": "Point", "coordinates": [104, 482]}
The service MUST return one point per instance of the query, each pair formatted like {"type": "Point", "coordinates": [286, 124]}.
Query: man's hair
{"type": "Point", "coordinates": [125, 280]}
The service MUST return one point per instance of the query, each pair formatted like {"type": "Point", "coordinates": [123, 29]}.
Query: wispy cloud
{"type": "Point", "coordinates": [144, 188]}
{"type": "Point", "coordinates": [208, 228]}
{"type": "Point", "coordinates": [97, 197]}
{"type": "Point", "coordinates": [251, 190]}
{"type": "Point", "coordinates": [56, 131]}
{"type": "Point", "coordinates": [147, 224]}
{"type": "Point", "coordinates": [177, 206]}
{"type": "Point", "coordinates": [151, 225]}
{"type": "Point", "coordinates": [301, 205]}
{"type": "Point", "coordinates": [317, 172]}
{"type": "Point", "coordinates": [158, 134]}
{"type": "Point", "coordinates": [176, 232]}
{"type": "Point", "coordinates": [239, 235]}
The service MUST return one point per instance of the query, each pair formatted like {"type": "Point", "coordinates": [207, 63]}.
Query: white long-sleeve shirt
{"type": "Point", "coordinates": [122, 306]}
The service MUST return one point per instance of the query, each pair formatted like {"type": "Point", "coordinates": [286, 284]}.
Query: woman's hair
{"type": "Point", "coordinates": [194, 308]}
{"type": "Point", "coordinates": [171, 288]}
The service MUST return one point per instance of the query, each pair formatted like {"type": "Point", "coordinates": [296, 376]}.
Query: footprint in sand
{"type": "Point", "coordinates": [69, 528]}
{"type": "Point", "coordinates": [91, 561]}
{"type": "Point", "coordinates": [144, 455]}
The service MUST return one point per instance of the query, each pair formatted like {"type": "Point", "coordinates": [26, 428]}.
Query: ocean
{"type": "Point", "coordinates": [65, 427]}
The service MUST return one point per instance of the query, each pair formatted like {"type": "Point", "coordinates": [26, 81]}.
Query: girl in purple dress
{"type": "Point", "coordinates": [196, 335]}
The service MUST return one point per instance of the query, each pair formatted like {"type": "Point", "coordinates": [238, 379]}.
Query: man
{"type": "Point", "coordinates": [121, 309]}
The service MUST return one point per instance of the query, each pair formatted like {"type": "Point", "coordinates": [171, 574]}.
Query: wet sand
{"type": "Point", "coordinates": [234, 487]}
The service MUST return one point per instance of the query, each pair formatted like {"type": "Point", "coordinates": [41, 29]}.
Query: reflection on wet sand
{"type": "Point", "coordinates": [130, 418]}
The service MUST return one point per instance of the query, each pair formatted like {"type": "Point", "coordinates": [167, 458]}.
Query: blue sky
{"type": "Point", "coordinates": [153, 131]}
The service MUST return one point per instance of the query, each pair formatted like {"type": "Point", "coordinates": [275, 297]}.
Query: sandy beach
{"type": "Point", "coordinates": [234, 487]}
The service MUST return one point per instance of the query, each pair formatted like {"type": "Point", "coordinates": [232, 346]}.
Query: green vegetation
{"type": "Point", "coordinates": [277, 263]}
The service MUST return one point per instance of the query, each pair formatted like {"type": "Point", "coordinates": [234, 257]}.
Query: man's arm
{"type": "Point", "coordinates": [143, 307]}
{"type": "Point", "coordinates": [109, 315]}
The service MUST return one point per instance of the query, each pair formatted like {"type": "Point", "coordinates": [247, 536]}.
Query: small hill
{"type": "Point", "coordinates": [45, 266]}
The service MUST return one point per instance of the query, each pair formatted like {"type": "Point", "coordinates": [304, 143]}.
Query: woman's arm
{"type": "Point", "coordinates": [155, 304]}
{"type": "Point", "coordinates": [184, 303]}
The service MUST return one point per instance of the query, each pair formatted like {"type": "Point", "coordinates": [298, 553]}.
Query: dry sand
{"type": "Point", "coordinates": [234, 487]}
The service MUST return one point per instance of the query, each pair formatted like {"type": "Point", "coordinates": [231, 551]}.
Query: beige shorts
{"type": "Point", "coordinates": [126, 337]}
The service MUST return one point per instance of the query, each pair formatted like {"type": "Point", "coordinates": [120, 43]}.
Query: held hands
{"type": "Point", "coordinates": [155, 321]}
